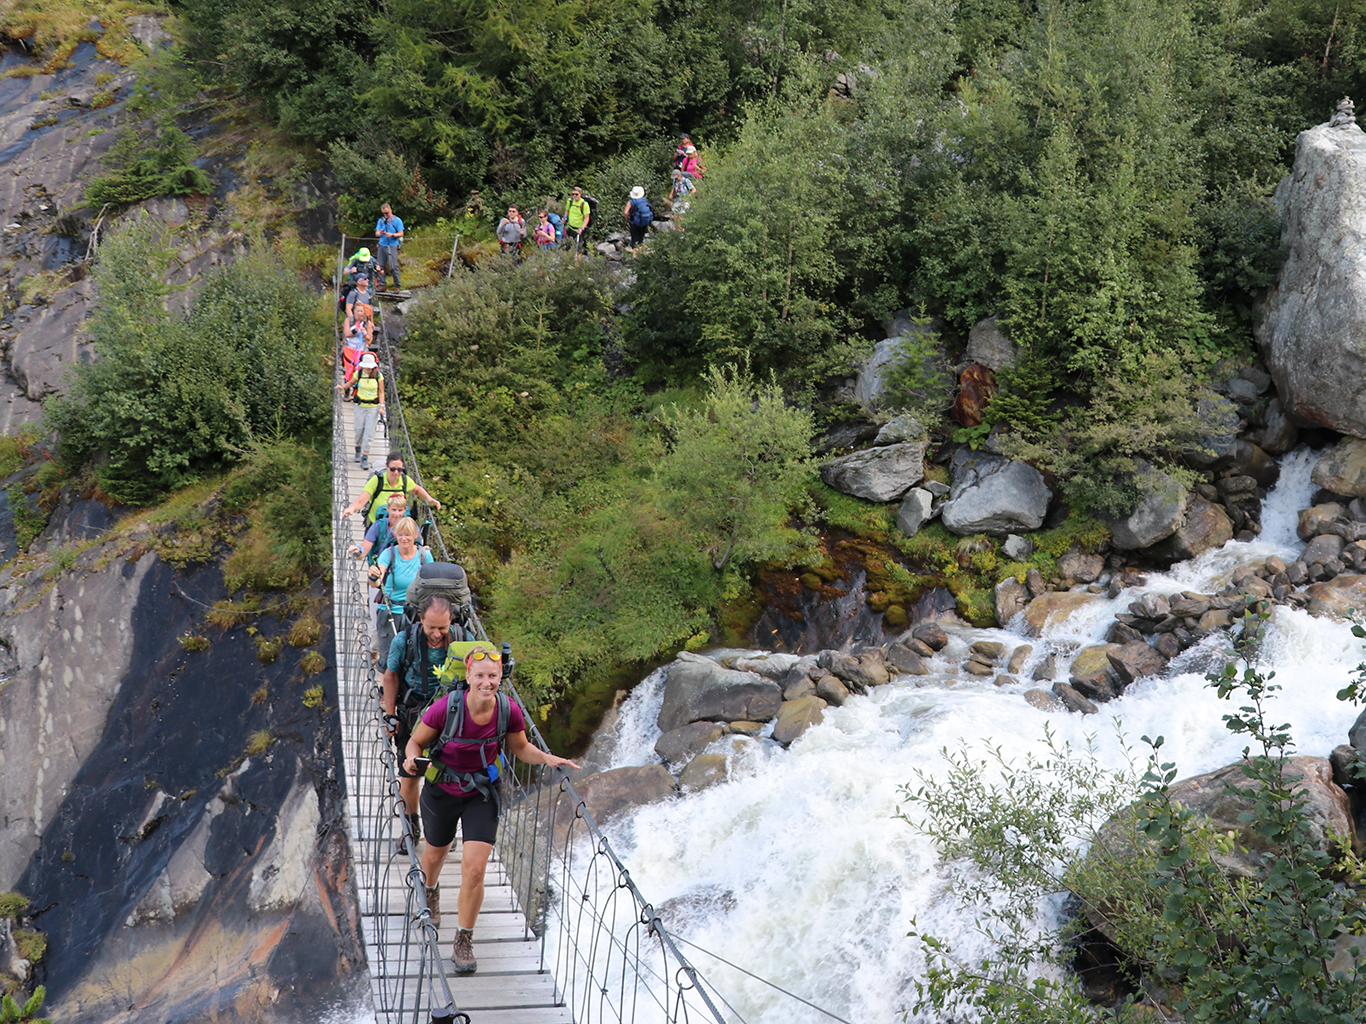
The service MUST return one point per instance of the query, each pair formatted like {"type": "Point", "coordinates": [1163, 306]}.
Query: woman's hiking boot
{"type": "Point", "coordinates": [434, 904]}
{"type": "Point", "coordinates": [462, 955]}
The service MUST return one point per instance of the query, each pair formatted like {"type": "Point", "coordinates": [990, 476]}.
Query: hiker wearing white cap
{"type": "Point", "coordinates": [639, 216]}
{"type": "Point", "coordinates": [369, 399]}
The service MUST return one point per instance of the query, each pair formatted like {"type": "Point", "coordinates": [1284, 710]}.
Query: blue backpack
{"type": "Point", "coordinates": [558, 221]}
{"type": "Point", "coordinates": [641, 214]}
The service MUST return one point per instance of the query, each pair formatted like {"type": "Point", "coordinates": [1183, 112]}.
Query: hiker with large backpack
{"type": "Point", "coordinates": [380, 537]}
{"type": "Point", "coordinates": [392, 574]}
{"type": "Point", "coordinates": [639, 216]}
{"type": "Point", "coordinates": [463, 734]}
{"type": "Point", "coordinates": [409, 684]}
{"type": "Point", "coordinates": [381, 484]}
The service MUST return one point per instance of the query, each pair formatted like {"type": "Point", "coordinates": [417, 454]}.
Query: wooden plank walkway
{"type": "Point", "coordinates": [510, 987]}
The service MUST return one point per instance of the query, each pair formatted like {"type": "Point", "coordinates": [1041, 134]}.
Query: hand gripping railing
{"type": "Point", "coordinates": [611, 957]}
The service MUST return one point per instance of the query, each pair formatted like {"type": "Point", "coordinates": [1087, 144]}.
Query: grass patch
{"type": "Point", "coordinates": [313, 697]}
{"type": "Point", "coordinates": [261, 696]}
{"type": "Point", "coordinates": [32, 944]}
{"type": "Point", "coordinates": [268, 650]}
{"type": "Point", "coordinates": [12, 904]}
{"type": "Point", "coordinates": [312, 663]}
{"type": "Point", "coordinates": [191, 642]}
{"type": "Point", "coordinates": [258, 742]}
{"type": "Point", "coordinates": [305, 632]}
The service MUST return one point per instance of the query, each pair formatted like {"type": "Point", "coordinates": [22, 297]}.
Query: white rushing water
{"type": "Point", "coordinates": [798, 870]}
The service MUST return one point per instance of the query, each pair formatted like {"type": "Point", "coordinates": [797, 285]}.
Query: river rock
{"type": "Point", "coordinates": [1322, 549]}
{"type": "Point", "coordinates": [1018, 658]}
{"type": "Point", "coordinates": [1011, 598]}
{"type": "Point", "coordinates": [989, 345]}
{"type": "Point", "coordinates": [1349, 768]}
{"type": "Point", "coordinates": [1316, 519]}
{"type": "Point", "coordinates": [1160, 511]}
{"type": "Point", "coordinates": [1338, 598]}
{"type": "Point", "coordinates": [798, 683]}
{"type": "Point", "coordinates": [703, 772]}
{"type": "Point", "coordinates": [775, 665]}
{"type": "Point", "coordinates": [832, 691]}
{"type": "Point", "coordinates": [796, 716]}
{"type": "Point", "coordinates": [994, 495]}
{"type": "Point", "coordinates": [1073, 701]}
{"type": "Point", "coordinates": [1092, 675]}
{"type": "Point", "coordinates": [1017, 548]}
{"type": "Point", "coordinates": [877, 474]}
{"type": "Point", "coordinates": [1356, 736]}
{"type": "Point", "coordinates": [1206, 526]}
{"type": "Point", "coordinates": [1313, 327]}
{"type": "Point", "coordinates": [1078, 567]}
{"type": "Point", "coordinates": [917, 508]}
{"type": "Point", "coordinates": [874, 667]}
{"type": "Point", "coordinates": [1056, 608]}
{"type": "Point", "coordinates": [902, 659]}
{"type": "Point", "coordinates": [1325, 804]}
{"type": "Point", "coordinates": [612, 793]}
{"type": "Point", "coordinates": [931, 634]}
{"type": "Point", "coordinates": [1045, 701]}
{"type": "Point", "coordinates": [703, 690]}
{"type": "Point", "coordinates": [1342, 468]}
{"type": "Point", "coordinates": [872, 375]}
{"type": "Point", "coordinates": [1251, 460]}
{"type": "Point", "coordinates": [1046, 670]}
{"type": "Point", "coordinates": [677, 745]}
{"type": "Point", "coordinates": [1133, 661]}
{"type": "Point", "coordinates": [1279, 434]}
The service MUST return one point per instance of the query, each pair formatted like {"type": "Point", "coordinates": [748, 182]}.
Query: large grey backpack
{"type": "Point", "coordinates": [440, 579]}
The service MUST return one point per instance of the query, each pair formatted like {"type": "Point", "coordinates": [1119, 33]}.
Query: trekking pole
{"type": "Point", "coordinates": [451, 266]}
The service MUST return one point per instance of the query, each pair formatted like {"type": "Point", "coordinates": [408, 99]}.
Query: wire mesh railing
{"type": "Point", "coordinates": [611, 957]}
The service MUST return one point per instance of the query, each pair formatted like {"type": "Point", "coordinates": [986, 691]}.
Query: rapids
{"type": "Point", "coordinates": [798, 870]}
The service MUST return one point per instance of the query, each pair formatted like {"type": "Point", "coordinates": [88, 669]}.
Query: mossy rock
{"type": "Point", "coordinates": [895, 616]}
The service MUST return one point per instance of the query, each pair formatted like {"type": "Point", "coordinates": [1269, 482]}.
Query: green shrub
{"type": "Point", "coordinates": [13, 904]}
{"type": "Point", "coordinates": [145, 164]}
{"type": "Point", "coordinates": [170, 399]}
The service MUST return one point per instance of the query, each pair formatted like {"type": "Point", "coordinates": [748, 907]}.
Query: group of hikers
{"type": "Point", "coordinates": [442, 699]}
{"type": "Point", "coordinates": [569, 229]}
{"type": "Point", "coordinates": [444, 707]}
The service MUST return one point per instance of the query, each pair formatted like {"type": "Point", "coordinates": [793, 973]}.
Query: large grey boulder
{"type": "Point", "coordinates": [1342, 467]}
{"type": "Point", "coordinates": [872, 375]}
{"type": "Point", "coordinates": [1161, 509]}
{"type": "Point", "coordinates": [701, 690]}
{"type": "Point", "coordinates": [1206, 526]}
{"type": "Point", "coordinates": [1313, 329]}
{"type": "Point", "coordinates": [989, 345]}
{"type": "Point", "coordinates": [995, 495]}
{"type": "Point", "coordinates": [877, 474]}
{"type": "Point", "coordinates": [609, 794]}
{"type": "Point", "coordinates": [904, 427]}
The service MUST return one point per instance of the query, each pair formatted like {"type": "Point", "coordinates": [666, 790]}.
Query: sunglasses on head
{"type": "Point", "coordinates": [481, 655]}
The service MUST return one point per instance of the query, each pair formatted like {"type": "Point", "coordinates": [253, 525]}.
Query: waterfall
{"type": "Point", "coordinates": [797, 868]}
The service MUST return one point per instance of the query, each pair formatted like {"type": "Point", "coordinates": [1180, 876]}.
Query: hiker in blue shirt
{"type": "Point", "coordinates": [390, 231]}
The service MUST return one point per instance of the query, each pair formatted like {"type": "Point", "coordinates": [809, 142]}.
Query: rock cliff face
{"type": "Point", "coordinates": [175, 816]}
{"type": "Point", "coordinates": [1314, 328]}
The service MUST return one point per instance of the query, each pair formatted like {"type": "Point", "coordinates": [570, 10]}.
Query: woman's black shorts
{"type": "Point", "coordinates": [441, 812]}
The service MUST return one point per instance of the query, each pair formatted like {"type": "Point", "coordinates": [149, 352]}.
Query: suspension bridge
{"type": "Point", "coordinates": [564, 936]}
